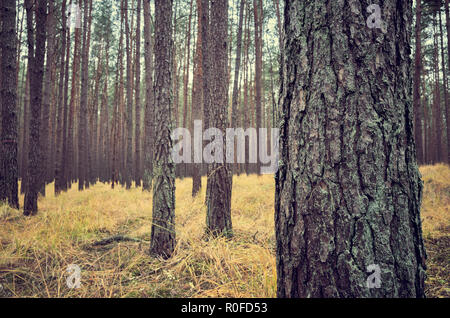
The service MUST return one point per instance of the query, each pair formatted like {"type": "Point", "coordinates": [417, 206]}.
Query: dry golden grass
{"type": "Point", "coordinates": [436, 228]}
{"type": "Point", "coordinates": [35, 251]}
{"type": "Point", "coordinates": [436, 200]}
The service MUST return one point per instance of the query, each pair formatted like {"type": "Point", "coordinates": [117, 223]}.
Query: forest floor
{"type": "Point", "coordinates": [36, 251]}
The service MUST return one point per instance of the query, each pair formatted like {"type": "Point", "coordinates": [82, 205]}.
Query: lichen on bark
{"type": "Point", "coordinates": [348, 190]}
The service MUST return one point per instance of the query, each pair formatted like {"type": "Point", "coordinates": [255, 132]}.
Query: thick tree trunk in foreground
{"type": "Point", "coordinates": [348, 190]}
{"type": "Point", "coordinates": [9, 125]}
{"type": "Point", "coordinates": [163, 228]}
{"type": "Point", "coordinates": [36, 58]}
{"type": "Point", "coordinates": [218, 191]}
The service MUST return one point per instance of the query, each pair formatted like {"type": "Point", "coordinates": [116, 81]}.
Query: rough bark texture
{"type": "Point", "coordinates": [149, 102]}
{"type": "Point", "coordinates": [36, 52]}
{"type": "Point", "coordinates": [218, 191]}
{"type": "Point", "coordinates": [163, 228]}
{"type": "Point", "coordinates": [348, 190]}
{"type": "Point", "coordinates": [9, 124]}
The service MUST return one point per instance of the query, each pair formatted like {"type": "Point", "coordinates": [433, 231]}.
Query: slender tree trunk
{"type": "Point", "coordinates": [83, 143]}
{"type": "Point", "coordinates": [426, 120]}
{"type": "Point", "coordinates": [272, 92]}
{"type": "Point", "coordinates": [175, 100]}
{"type": "Point", "coordinates": [70, 160]}
{"type": "Point", "coordinates": [218, 202]}
{"type": "Point", "coordinates": [26, 129]}
{"type": "Point", "coordinates": [104, 159]}
{"type": "Point", "coordinates": [428, 134]}
{"type": "Point", "coordinates": [280, 27]}
{"type": "Point", "coordinates": [149, 101]}
{"type": "Point", "coordinates": [117, 125]}
{"type": "Point", "coordinates": [186, 72]}
{"type": "Point", "coordinates": [121, 129]}
{"type": "Point", "coordinates": [437, 112]}
{"type": "Point", "coordinates": [65, 152]}
{"type": "Point", "coordinates": [21, 105]}
{"type": "Point", "coordinates": [416, 92]}
{"type": "Point", "coordinates": [163, 228]}
{"type": "Point", "coordinates": [258, 74]}
{"type": "Point", "coordinates": [447, 110]}
{"type": "Point", "coordinates": [47, 95]}
{"type": "Point", "coordinates": [59, 168]}
{"type": "Point", "coordinates": [19, 43]}
{"type": "Point", "coordinates": [137, 135]}
{"type": "Point", "coordinates": [348, 189]}
{"type": "Point", "coordinates": [50, 175]}
{"type": "Point", "coordinates": [129, 119]}
{"type": "Point", "coordinates": [36, 52]}
{"type": "Point", "coordinates": [186, 68]}
{"type": "Point", "coordinates": [8, 79]}
{"type": "Point", "coordinates": [237, 66]}
{"type": "Point", "coordinates": [246, 108]}
{"type": "Point", "coordinates": [197, 97]}
{"type": "Point", "coordinates": [95, 134]}
{"type": "Point", "coordinates": [206, 67]}
{"type": "Point", "coordinates": [446, 99]}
